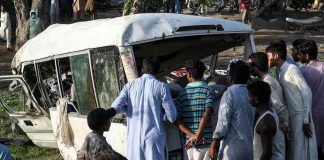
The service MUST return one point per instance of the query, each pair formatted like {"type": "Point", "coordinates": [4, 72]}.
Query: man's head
{"type": "Point", "coordinates": [295, 51]}
{"type": "Point", "coordinates": [151, 65]}
{"type": "Point", "coordinates": [281, 42]}
{"type": "Point", "coordinates": [33, 14]}
{"type": "Point", "coordinates": [259, 93]}
{"type": "Point", "coordinates": [258, 63]}
{"type": "Point", "coordinates": [195, 70]}
{"type": "Point", "coordinates": [307, 51]}
{"type": "Point", "coordinates": [276, 54]}
{"type": "Point", "coordinates": [238, 72]}
{"type": "Point", "coordinates": [3, 8]}
{"type": "Point", "coordinates": [99, 119]}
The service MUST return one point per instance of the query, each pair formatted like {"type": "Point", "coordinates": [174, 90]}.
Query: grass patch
{"type": "Point", "coordinates": [16, 102]}
{"type": "Point", "coordinates": [34, 152]}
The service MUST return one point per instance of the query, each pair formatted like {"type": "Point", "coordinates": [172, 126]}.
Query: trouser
{"type": "Point", "coordinates": [6, 34]}
{"type": "Point", "coordinates": [177, 6]}
{"type": "Point", "coordinates": [320, 151]}
{"type": "Point", "coordinates": [54, 18]}
{"type": "Point", "coordinates": [196, 154]}
{"type": "Point", "coordinates": [246, 16]}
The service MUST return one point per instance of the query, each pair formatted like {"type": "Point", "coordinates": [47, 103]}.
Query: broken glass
{"type": "Point", "coordinates": [82, 81]}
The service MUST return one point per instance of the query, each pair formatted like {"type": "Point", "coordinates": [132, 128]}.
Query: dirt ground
{"type": "Point", "coordinates": [264, 30]}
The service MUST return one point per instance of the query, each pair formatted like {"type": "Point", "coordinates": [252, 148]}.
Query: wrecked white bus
{"type": "Point", "coordinates": [88, 63]}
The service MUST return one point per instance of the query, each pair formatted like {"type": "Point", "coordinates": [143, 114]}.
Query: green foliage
{"type": "Point", "coordinates": [33, 152]}
{"type": "Point", "coordinates": [21, 152]}
{"type": "Point", "coordinates": [5, 124]}
{"type": "Point", "coordinates": [14, 99]}
{"type": "Point", "coordinates": [5, 121]}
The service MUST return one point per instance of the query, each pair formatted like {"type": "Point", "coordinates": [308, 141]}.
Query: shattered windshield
{"type": "Point", "coordinates": [174, 52]}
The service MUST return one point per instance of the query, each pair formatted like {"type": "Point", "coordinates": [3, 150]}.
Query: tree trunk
{"type": "Point", "coordinates": [21, 14]}
{"type": "Point", "coordinates": [132, 7]}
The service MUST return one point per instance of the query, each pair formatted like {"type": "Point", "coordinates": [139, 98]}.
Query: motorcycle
{"type": "Point", "coordinates": [196, 8]}
{"type": "Point", "coordinates": [233, 4]}
{"type": "Point", "coordinates": [281, 5]}
{"type": "Point", "coordinates": [298, 5]}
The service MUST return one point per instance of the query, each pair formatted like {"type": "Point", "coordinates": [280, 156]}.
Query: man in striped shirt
{"type": "Point", "coordinates": [195, 104]}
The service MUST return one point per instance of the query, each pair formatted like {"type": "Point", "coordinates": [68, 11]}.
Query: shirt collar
{"type": "Point", "coordinates": [236, 86]}
{"type": "Point", "coordinates": [264, 76]}
{"type": "Point", "coordinates": [195, 84]}
{"type": "Point", "coordinates": [284, 66]}
{"type": "Point", "coordinates": [312, 62]}
{"type": "Point", "coordinates": [148, 76]}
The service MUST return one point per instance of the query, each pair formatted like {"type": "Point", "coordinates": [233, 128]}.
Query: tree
{"type": "Point", "coordinates": [22, 17]}
{"type": "Point", "coordinates": [141, 6]}
{"type": "Point", "coordinates": [22, 9]}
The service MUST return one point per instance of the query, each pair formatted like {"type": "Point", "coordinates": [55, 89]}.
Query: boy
{"type": "Point", "coordinates": [196, 103]}
{"type": "Point", "coordinates": [268, 138]}
{"type": "Point", "coordinates": [95, 146]}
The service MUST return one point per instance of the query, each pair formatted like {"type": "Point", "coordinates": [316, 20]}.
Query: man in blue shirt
{"type": "Point", "coordinates": [5, 152]}
{"type": "Point", "coordinates": [147, 103]}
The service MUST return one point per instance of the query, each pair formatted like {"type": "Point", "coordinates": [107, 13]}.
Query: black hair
{"type": "Point", "coordinates": [277, 48]}
{"type": "Point", "coordinates": [260, 61]}
{"type": "Point", "coordinates": [239, 71]}
{"type": "Point", "coordinates": [298, 42]}
{"type": "Point", "coordinates": [98, 117]}
{"type": "Point", "coordinates": [195, 68]}
{"type": "Point", "coordinates": [151, 65]}
{"type": "Point", "coordinates": [280, 42]}
{"type": "Point", "coordinates": [4, 8]}
{"type": "Point", "coordinates": [260, 89]}
{"type": "Point", "coordinates": [309, 47]}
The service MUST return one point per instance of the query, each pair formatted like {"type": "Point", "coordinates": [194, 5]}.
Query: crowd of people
{"type": "Point", "coordinates": [262, 115]}
{"type": "Point", "coordinates": [60, 10]}
{"type": "Point", "coordinates": [75, 10]}
{"type": "Point", "coordinates": [34, 26]}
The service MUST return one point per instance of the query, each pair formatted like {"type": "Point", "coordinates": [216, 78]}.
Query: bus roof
{"type": "Point", "coordinates": [59, 39]}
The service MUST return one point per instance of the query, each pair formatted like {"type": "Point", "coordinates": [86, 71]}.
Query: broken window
{"type": "Point", "coordinates": [174, 52]}
{"type": "Point", "coordinates": [65, 78]}
{"type": "Point", "coordinates": [224, 57]}
{"type": "Point", "coordinates": [48, 79]}
{"type": "Point", "coordinates": [84, 93]}
{"type": "Point", "coordinates": [29, 75]}
{"type": "Point", "coordinates": [105, 75]}
{"type": "Point", "coordinates": [13, 97]}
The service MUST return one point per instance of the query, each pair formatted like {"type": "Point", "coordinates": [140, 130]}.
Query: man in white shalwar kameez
{"type": "Point", "coordinates": [233, 136]}
{"type": "Point", "coordinates": [299, 100]}
{"type": "Point", "coordinates": [5, 28]}
{"type": "Point", "coordinates": [147, 103]}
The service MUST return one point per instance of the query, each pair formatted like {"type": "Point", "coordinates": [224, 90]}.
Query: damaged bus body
{"type": "Point", "coordinates": [67, 70]}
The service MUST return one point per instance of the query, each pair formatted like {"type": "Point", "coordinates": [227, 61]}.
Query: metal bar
{"type": "Point", "coordinates": [93, 84]}
{"type": "Point", "coordinates": [58, 77]}
{"type": "Point", "coordinates": [39, 81]}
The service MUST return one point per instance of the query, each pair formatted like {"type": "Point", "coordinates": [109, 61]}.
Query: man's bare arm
{"type": "Point", "coordinates": [203, 122]}
{"type": "Point", "coordinates": [267, 129]}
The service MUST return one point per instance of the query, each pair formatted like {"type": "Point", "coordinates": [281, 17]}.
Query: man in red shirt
{"type": "Point", "coordinates": [245, 10]}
